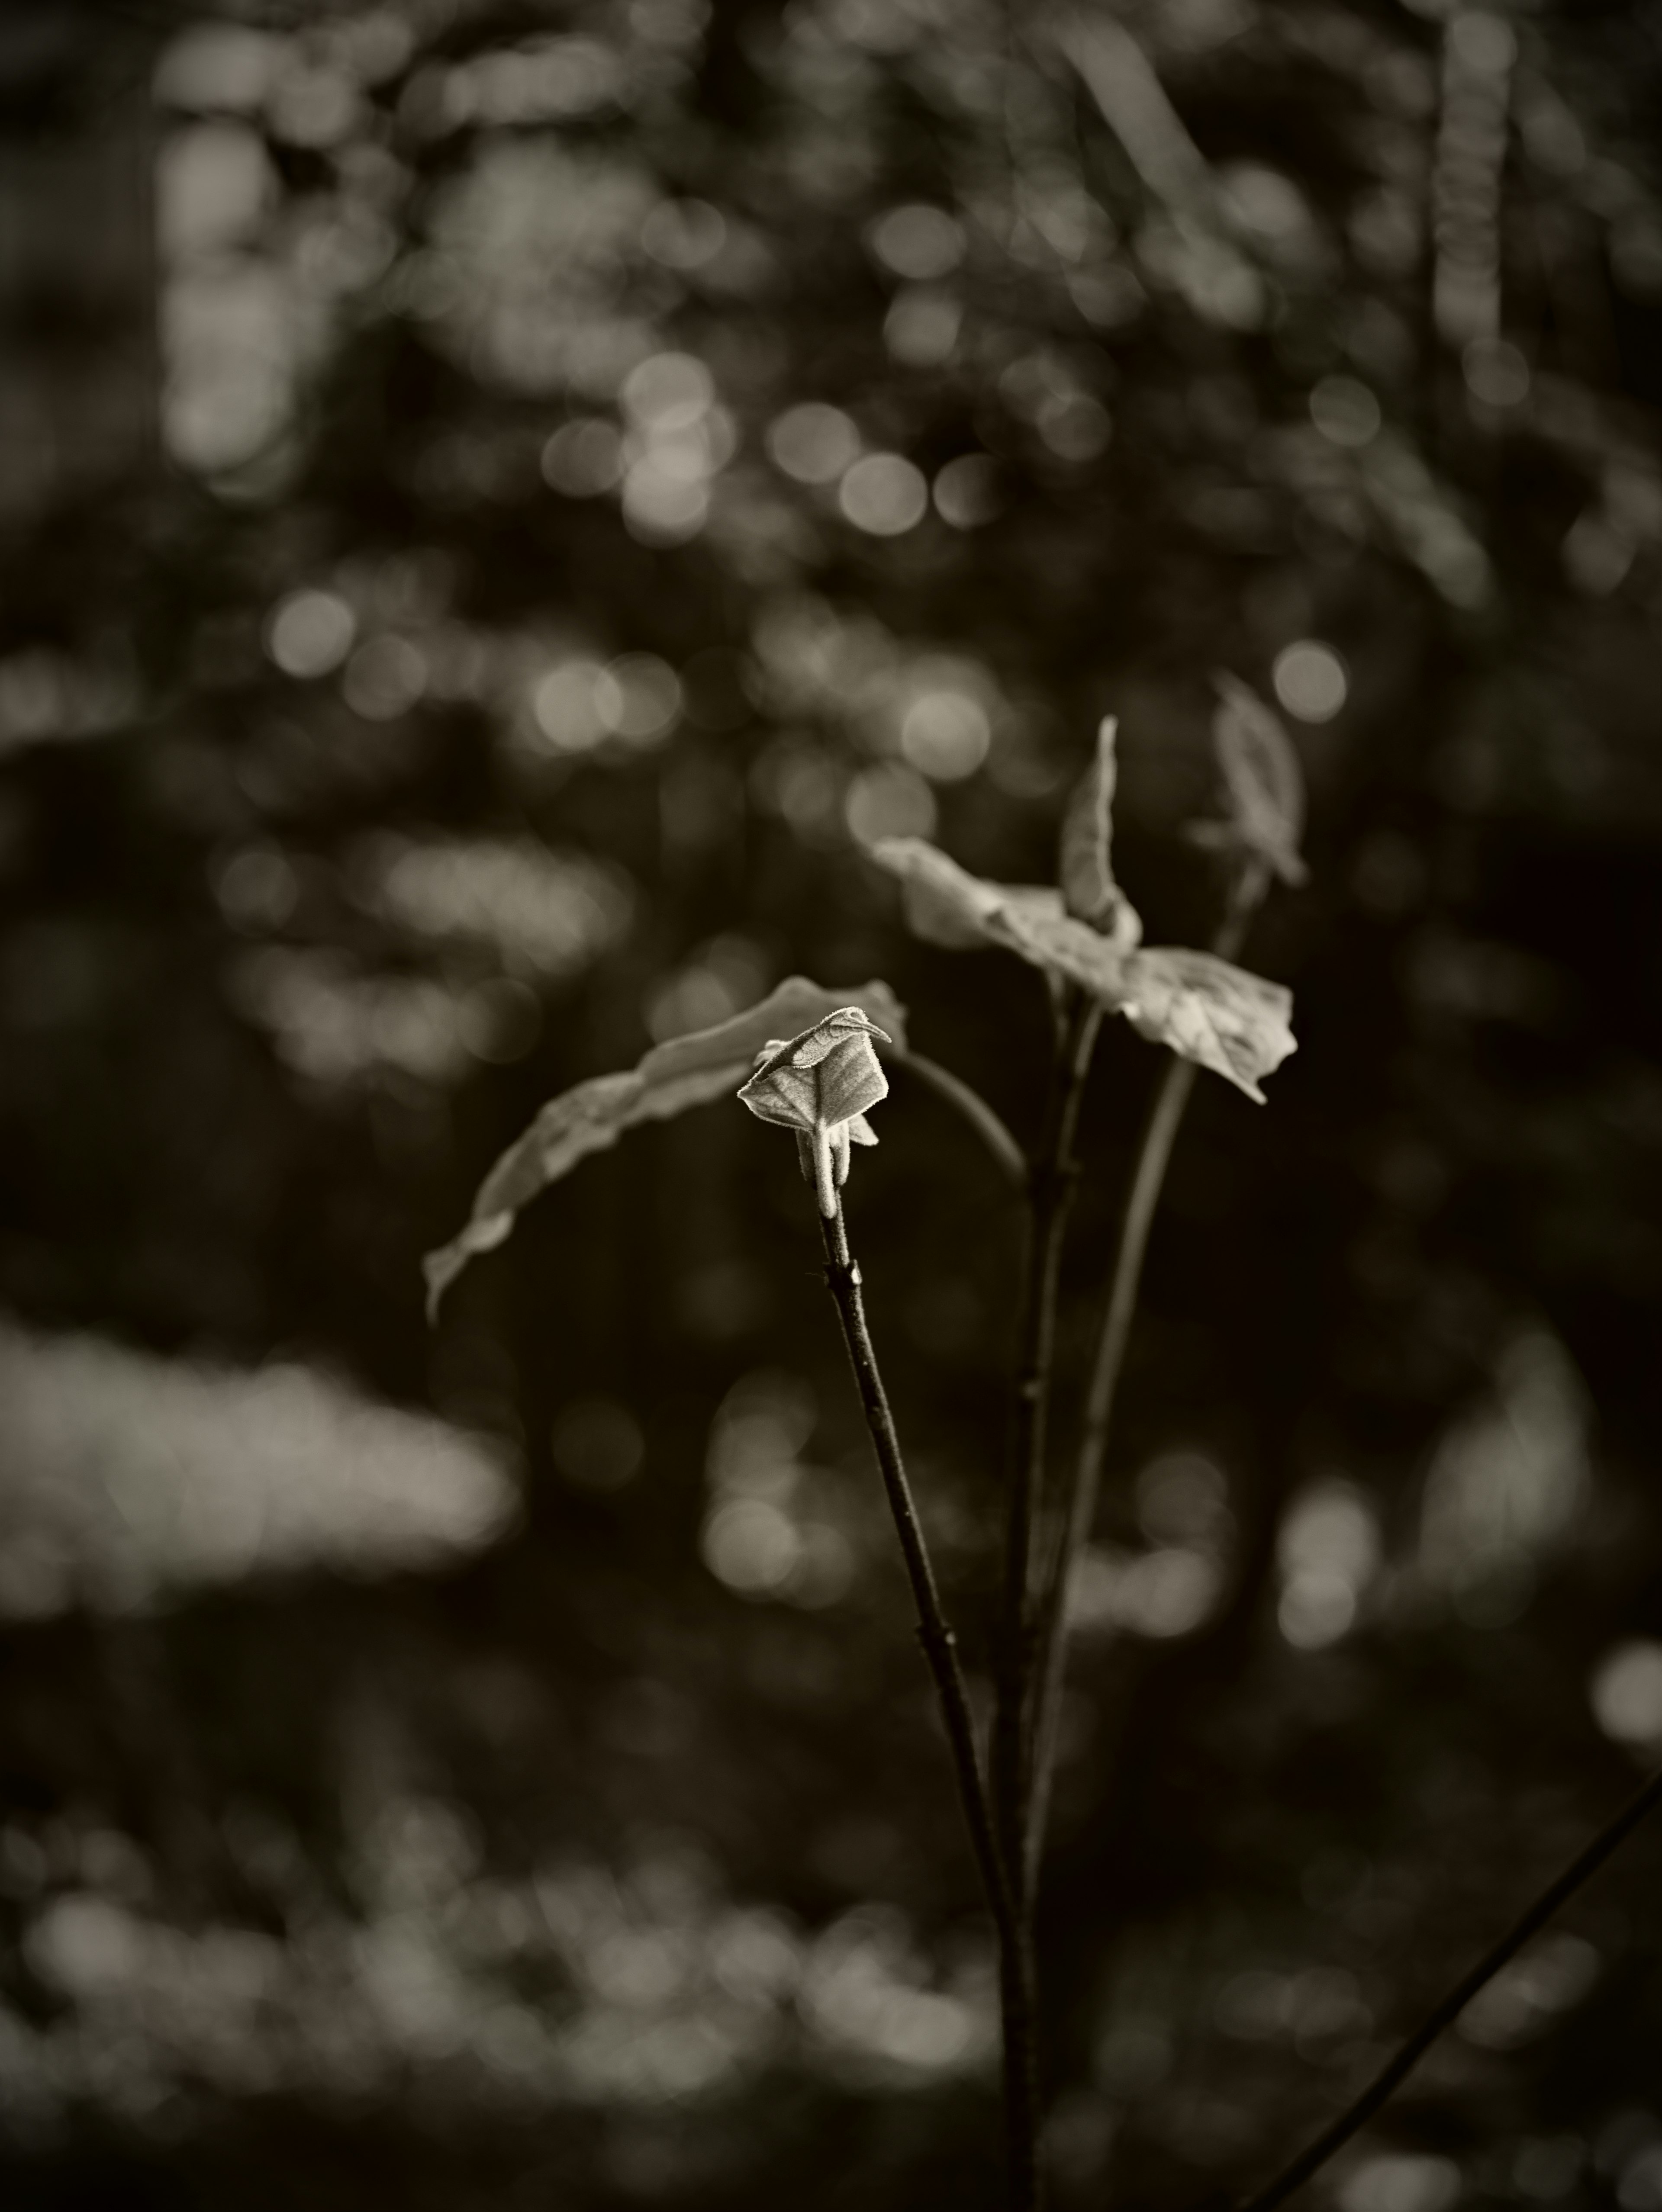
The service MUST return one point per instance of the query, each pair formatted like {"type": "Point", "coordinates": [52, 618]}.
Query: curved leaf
{"type": "Point", "coordinates": [687, 1071]}
{"type": "Point", "coordinates": [946, 905]}
{"type": "Point", "coordinates": [1088, 890]}
{"type": "Point", "coordinates": [1212, 1012]}
{"type": "Point", "coordinates": [1202, 1006]}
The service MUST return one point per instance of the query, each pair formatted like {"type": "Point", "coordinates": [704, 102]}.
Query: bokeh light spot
{"type": "Point", "coordinates": [384, 678]}
{"type": "Point", "coordinates": [1496, 372]}
{"type": "Point", "coordinates": [966, 493]}
{"type": "Point", "coordinates": [814, 442]}
{"type": "Point", "coordinates": [1309, 680]}
{"type": "Point", "coordinates": [1345, 411]}
{"type": "Point", "coordinates": [583, 458]}
{"type": "Point", "coordinates": [638, 697]}
{"type": "Point", "coordinates": [669, 390]}
{"type": "Point", "coordinates": [1627, 1693]}
{"type": "Point", "coordinates": [890, 801]}
{"type": "Point", "coordinates": [918, 242]}
{"type": "Point", "coordinates": [885, 496]}
{"type": "Point", "coordinates": [946, 734]}
{"type": "Point", "coordinates": [309, 633]}
{"type": "Point", "coordinates": [564, 705]}
{"type": "Point", "coordinates": [684, 234]}
{"type": "Point", "coordinates": [751, 1547]}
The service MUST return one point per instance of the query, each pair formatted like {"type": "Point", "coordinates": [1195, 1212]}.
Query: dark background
{"type": "Point", "coordinates": [544, 1808]}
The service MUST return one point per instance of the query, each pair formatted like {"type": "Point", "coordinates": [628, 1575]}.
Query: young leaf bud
{"type": "Point", "coordinates": [819, 1084]}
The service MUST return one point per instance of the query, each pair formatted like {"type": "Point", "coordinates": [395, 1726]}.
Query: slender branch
{"type": "Point", "coordinates": [1050, 1199]}
{"type": "Point", "coordinates": [1356, 2115]}
{"type": "Point", "coordinates": [1049, 1187]}
{"type": "Point", "coordinates": [976, 1111]}
{"type": "Point", "coordinates": [1079, 1516]}
{"type": "Point", "coordinates": [843, 1280]}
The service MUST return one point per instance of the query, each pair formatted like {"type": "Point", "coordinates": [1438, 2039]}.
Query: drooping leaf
{"type": "Point", "coordinates": [1088, 890]}
{"type": "Point", "coordinates": [1027, 919]}
{"type": "Point", "coordinates": [1262, 777]}
{"type": "Point", "coordinates": [685, 1072]}
{"type": "Point", "coordinates": [1210, 1011]}
{"type": "Point", "coordinates": [945, 905]}
{"type": "Point", "coordinates": [1204, 1008]}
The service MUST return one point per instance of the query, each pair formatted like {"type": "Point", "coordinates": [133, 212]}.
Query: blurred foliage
{"type": "Point", "coordinates": [500, 501]}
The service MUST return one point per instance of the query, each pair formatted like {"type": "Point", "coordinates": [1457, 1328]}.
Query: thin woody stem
{"type": "Point", "coordinates": [843, 1280]}
{"type": "Point", "coordinates": [1356, 2115]}
{"type": "Point", "coordinates": [1078, 1517]}
{"type": "Point", "coordinates": [1051, 1190]}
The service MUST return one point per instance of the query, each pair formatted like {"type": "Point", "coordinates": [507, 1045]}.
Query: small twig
{"type": "Point", "coordinates": [976, 1111]}
{"type": "Point", "coordinates": [1356, 2115]}
{"type": "Point", "coordinates": [1080, 1510]}
{"type": "Point", "coordinates": [843, 1280]}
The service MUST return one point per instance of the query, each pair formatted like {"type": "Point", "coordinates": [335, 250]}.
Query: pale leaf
{"type": "Point", "coordinates": [828, 1074]}
{"type": "Point", "coordinates": [1027, 919]}
{"type": "Point", "coordinates": [1088, 890]}
{"type": "Point", "coordinates": [1262, 775]}
{"type": "Point", "coordinates": [1210, 1011]}
{"type": "Point", "coordinates": [686, 1071]}
{"type": "Point", "coordinates": [945, 905]}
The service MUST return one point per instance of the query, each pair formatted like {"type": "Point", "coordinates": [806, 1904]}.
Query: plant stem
{"type": "Point", "coordinates": [843, 1280]}
{"type": "Point", "coordinates": [1078, 1517]}
{"type": "Point", "coordinates": [976, 1111]}
{"type": "Point", "coordinates": [1051, 1190]}
{"type": "Point", "coordinates": [1049, 1186]}
{"type": "Point", "coordinates": [1356, 2115]}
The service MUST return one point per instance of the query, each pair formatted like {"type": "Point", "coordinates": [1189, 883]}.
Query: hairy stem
{"type": "Point", "coordinates": [843, 1280]}
{"type": "Point", "coordinates": [1080, 1509]}
{"type": "Point", "coordinates": [1357, 2114]}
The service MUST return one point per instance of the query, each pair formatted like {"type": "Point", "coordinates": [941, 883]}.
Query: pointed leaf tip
{"type": "Point", "coordinates": [1088, 889]}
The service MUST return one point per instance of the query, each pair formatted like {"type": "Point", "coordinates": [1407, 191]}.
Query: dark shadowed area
{"type": "Point", "coordinates": [501, 504]}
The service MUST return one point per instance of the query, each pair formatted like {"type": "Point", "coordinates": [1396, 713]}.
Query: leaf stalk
{"type": "Point", "coordinates": [1079, 1509]}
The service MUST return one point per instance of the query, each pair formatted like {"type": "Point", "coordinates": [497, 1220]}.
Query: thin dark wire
{"type": "Point", "coordinates": [1357, 2115]}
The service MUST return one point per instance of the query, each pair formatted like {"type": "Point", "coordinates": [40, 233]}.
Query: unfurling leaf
{"type": "Point", "coordinates": [1210, 1011]}
{"type": "Point", "coordinates": [1262, 775]}
{"type": "Point", "coordinates": [687, 1071]}
{"type": "Point", "coordinates": [819, 1084]}
{"type": "Point", "coordinates": [829, 1073]}
{"type": "Point", "coordinates": [1202, 1007]}
{"type": "Point", "coordinates": [1088, 890]}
